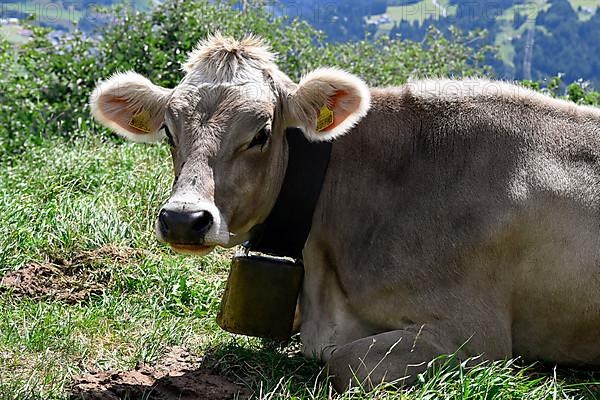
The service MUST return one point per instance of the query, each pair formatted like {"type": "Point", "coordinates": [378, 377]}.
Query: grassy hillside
{"type": "Point", "coordinates": [418, 12]}
{"type": "Point", "coordinates": [535, 40]}
{"type": "Point", "coordinates": [423, 9]}
{"type": "Point", "coordinates": [82, 216]}
{"type": "Point", "coordinates": [104, 302]}
{"type": "Point", "coordinates": [507, 32]}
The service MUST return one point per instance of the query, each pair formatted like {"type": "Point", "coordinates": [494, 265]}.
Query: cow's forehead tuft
{"type": "Point", "coordinates": [223, 59]}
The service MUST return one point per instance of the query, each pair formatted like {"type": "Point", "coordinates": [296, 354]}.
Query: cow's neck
{"type": "Point", "coordinates": [286, 229]}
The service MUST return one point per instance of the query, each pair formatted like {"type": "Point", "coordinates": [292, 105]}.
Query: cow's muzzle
{"type": "Point", "coordinates": [184, 223]}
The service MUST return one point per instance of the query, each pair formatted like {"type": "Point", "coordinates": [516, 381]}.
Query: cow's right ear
{"type": "Point", "coordinates": [131, 105]}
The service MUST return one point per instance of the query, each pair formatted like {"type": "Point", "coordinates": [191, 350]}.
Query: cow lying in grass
{"type": "Point", "coordinates": [455, 216]}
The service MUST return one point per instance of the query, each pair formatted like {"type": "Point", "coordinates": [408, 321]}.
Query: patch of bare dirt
{"type": "Point", "coordinates": [179, 375]}
{"type": "Point", "coordinates": [113, 254]}
{"type": "Point", "coordinates": [51, 281]}
{"type": "Point", "coordinates": [72, 280]}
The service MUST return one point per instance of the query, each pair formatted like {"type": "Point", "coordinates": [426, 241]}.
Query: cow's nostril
{"type": "Point", "coordinates": [163, 219]}
{"type": "Point", "coordinates": [203, 220]}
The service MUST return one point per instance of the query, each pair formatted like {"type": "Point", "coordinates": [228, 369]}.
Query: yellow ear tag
{"type": "Point", "coordinates": [325, 118]}
{"type": "Point", "coordinates": [141, 121]}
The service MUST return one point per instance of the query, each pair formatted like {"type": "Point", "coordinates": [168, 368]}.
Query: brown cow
{"type": "Point", "coordinates": [454, 216]}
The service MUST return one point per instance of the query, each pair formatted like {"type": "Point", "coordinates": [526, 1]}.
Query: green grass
{"type": "Point", "coordinates": [62, 202]}
{"type": "Point", "coordinates": [58, 202]}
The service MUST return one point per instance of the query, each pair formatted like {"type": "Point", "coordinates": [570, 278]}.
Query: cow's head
{"type": "Point", "coordinates": [225, 122]}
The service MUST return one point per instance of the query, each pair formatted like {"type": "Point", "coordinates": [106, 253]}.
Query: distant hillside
{"type": "Point", "coordinates": [60, 16]}
{"type": "Point", "coordinates": [535, 38]}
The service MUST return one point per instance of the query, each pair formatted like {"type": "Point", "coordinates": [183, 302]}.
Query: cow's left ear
{"type": "Point", "coordinates": [327, 103]}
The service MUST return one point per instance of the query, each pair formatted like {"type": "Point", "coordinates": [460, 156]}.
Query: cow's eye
{"type": "Point", "coordinates": [169, 136]}
{"type": "Point", "coordinates": [260, 139]}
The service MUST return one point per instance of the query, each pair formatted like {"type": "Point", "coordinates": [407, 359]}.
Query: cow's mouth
{"type": "Point", "coordinates": [192, 249]}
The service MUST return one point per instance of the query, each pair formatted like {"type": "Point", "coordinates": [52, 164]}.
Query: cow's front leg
{"type": "Point", "coordinates": [388, 357]}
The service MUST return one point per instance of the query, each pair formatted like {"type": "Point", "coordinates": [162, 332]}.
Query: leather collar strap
{"type": "Point", "coordinates": [286, 229]}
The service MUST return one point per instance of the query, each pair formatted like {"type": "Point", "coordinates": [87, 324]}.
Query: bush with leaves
{"type": "Point", "coordinates": [45, 87]}
{"type": "Point", "coordinates": [156, 44]}
{"type": "Point", "coordinates": [43, 90]}
{"type": "Point", "coordinates": [579, 92]}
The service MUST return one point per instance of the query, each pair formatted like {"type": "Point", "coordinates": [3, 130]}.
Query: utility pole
{"type": "Point", "coordinates": [528, 56]}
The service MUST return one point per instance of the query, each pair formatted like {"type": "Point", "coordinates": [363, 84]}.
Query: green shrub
{"type": "Point", "coordinates": [579, 92]}
{"type": "Point", "coordinates": [45, 88]}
